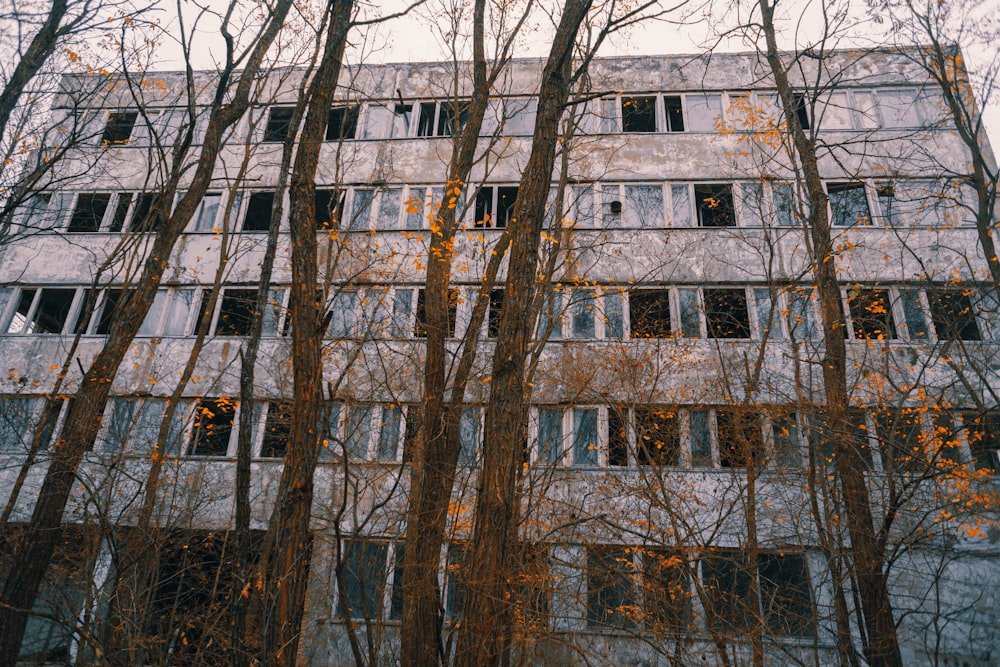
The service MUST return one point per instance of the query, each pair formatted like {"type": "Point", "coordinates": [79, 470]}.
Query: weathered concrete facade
{"type": "Point", "coordinates": [681, 293]}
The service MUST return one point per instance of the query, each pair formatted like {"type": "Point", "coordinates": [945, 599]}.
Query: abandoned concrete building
{"type": "Point", "coordinates": [679, 293]}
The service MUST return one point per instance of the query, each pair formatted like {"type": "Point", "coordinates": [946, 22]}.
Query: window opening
{"type": "Point", "coordinates": [674, 113]}
{"type": "Point", "coordinates": [119, 127]}
{"type": "Point", "coordinates": [364, 576]}
{"type": "Point", "coordinates": [236, 313]}
{"type": "Point", "coordinates": [342, 123]}
{"type": "Point", "coordinates": [279, 124]}
{"type": "Point", "coordinates": [213, 424]}
{"type": "Point", "coordinates": [666, 591]}
{"type": "Point", "coordinates": [715, 205]}
{"type": "Point", "coordinates": [585, 440]}
{"type": "Point", "coordinates": [649, 313]}
{"type": "Point", "coordinates": [277, 428]}
{"type": "Point", "coordinates": [639, 114]}
{"type": "Point", "coordinates": [740, 437]}
{"type": "Point", "coordinates": [726, 313]}
{"type": "Point", "coordinates": [871, 313]}
{"type": "Point", "coordinates": [657, 436]}
{"type": "Point", "coordinates": [89, 212]}
{"type": "Point", "coordinates": [611, 599]}
{"type": "Point", "coordinates": [420, 324]}
{"type": "Point", "coordinates": [493, 319]}
{"type": "Point", "coordinates": [849, 204]}
{"type": "Point", "coordinates": [953, 316]}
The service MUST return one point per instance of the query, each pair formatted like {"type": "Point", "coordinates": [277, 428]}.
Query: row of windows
{"type": "Point", "coordinates": [744, 312]}
{"type": "Point", "coordinates": [630, 588]}
{"type": "Point", "coordinates": [854, 109]}
{"type": "Point", "coordinates": [597, 205]}
{"type": "Point", "coordinates": [909, 441]}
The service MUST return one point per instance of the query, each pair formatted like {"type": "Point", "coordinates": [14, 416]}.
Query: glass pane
{"type": "Point", "coordinates": [584, 305]}
{"type": "Point", "coordinates": [787, 448]}
{"type": "Point", "coordinates": [388, 439]}
{"type": "Point", "coordinates": [585, 443]}
{"type": "Point", "coordinates": [916, 322]}
{"type": "Point", "coordinates": [681, 206]}
{"type": "Point", "coordinates": [784, 204]}
{"type": "Point", "coordinates": [768, 317]}
{"type": "Point", "coordinates": [690, 317]}
{"type": "Point", "coordinates": [417, 207]}
{"type": "Point", "coordinates": [402, 312]}
{"type": "Point", "coordinates": [388, 212]}
{"type": "Point", "coordinates": [470, 436]}
{"type": "Point", "coordinates": [207, 212]}
{"type": "Point", "coordinates": [359, 424]}
{"type": "Point", "coordinates": [835, 114]}
{"type": "Point", "coordinates": [175, 323]}
{"type": "Point", "coordinates": [703, 112]}
{"type": "Point", "coordinates": [520, 121]}
{"type": "Point", "coordinates": [550, 435]}
{"type": "Point", "coordinates": [342, 317]}
{"type": "Point", "coordinates": [614, 319]}
{"type": "Point", "coordinates": [899, 108]}
{"type": "Point", "coordinates": [701, 438]}
{"type": "Point", "coordinates": [583, 206]}
{"type": "Point", "coordinates": [361, 209]}
{"type": "Point", "coordinates": [644, 206]}
{"type": "Point", "coordinates": [754, 209]}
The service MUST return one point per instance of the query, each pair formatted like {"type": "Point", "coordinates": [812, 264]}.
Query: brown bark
{"type": "Point", "coordinates": [482, 640]}
{"type": "Point", "coordinates": [34, 550]}
{"type": "Point", "coordinates": [868, 553]}
{"type": "Point", "coordinates": [288, 565]}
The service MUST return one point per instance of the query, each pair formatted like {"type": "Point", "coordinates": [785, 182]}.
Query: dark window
{"type": "Point", "coordinates": [364, 578]}
{"type": "Point", "coordinates": [213, 423]}
{"type": "Point", "coordinates": [849, 204]}
{"type": "Point", "coordinates": [51, 313]}
{"type": "Point", "coordinates": [785, 594]}
{"type": "Point", "coordinates": [454, 115]}
{"type": "Point", "coordinates": [455, 587]}
{"type": "Point", "coordinates": [236, 313]}
{"type": "Point", "coordinates": [493, 319]}
{"type": "Point", "coordinates": [649, 313]}
{"type": "Point", "coordinates": [119, 127]}
{"type": "Point", "coordinates": [329, 210]}
{"type": "Point", "coordinates": [276, 430]}
{"type": "Point", "coordinates": [801, 109]}
{"type": "Point", "coordinates": [396, 594]}
{"type": "Point", "coordinates": [279, 124]}
{"type": "Point", "coordinates": [495, 206]}
{"type": "Point", "coordinates": [674, 112]}
{"type": "Point", "coordinates": [147, 215]}
{"type": "Point", "coordinates": [666, 588]}
{"type": "Point", "coordinates": [900, 437]}
{"type": "Point", "coordinates": [425, 123]}
{"type": "Point", "coordinates": [983, 434]}
{"type": "Point", "coordinates": [639, 114]}
{"type": "Point", "coordinates": [726, 314]}
{"type": "Point", "coordinates": [953, 316]}
{"type": "Point", "coordinates": [715, 205]}
{"type": "Point", "coordinates": [871, 313]}
{"type": "Point", "coordinates": [89, 212]}
{"type": "Point", "coordinates": [726, 579]}
{"type": "Point", "coordinates": [342, 123]}
{"type": "Point", "coordinates": [121, 211]}
{"type": "Point", "coordinates": [657, 436]}
{"type": "Point", "coordinates": [420, 325]}
{"type": "Point", "coordinates": [611, 599]}
{"type": "Point", "coordinates": [111, 300]}
{"type": "Point", "coordinates": [530, 589]}
{"type": "Point", "coordinates": [740, 437]}
{"type": "Point", "coordinates": [856, 429]}
{"type": "Point", "coordinates": [258, 215]}
{"type": "Point", "coordinates": [617, 436]}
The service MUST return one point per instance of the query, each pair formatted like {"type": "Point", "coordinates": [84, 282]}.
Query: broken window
{"type": "Point", "coordinates": [787, 446]}
{"type": "Point", "coordinates": [674, 113]}
{"type": "Point", "coordinates": [279, 124]}
{"type": "Point", "coordinates": [119, 127]}
{"type": "Point", "coordinates": [16, 422]}
{"type": "Point", "coordinates": [112, 298]}
{"type": "Point", "coordinates": [900, 435]}
{"type": "Point", "coordinates": [44, 311]}
{"type": "Point", "coordinates": [726, 580]}
{"type": "Point", "coordinates": [887, 203]}
{"type": "Point", "coordinates": [89, 212]}
{"type": "Point", "coordinates": [420, 326]}
{"type": "Point", "coordinates": [277, 427]}
{"type": "Point", "coordinates": [740, 437]}
{"type": "Point", "coordinates": [329, 208]}
{"type": "Point", "coordinates": [639, 114]}
{"type": "Point", "coordinates": [666, 591]}
{"type": "Point", "coordinates": [258, 215]}
{"type": "Point", "coordinates": [213, 425]}
{"type": "Point", "coordinates": [618, 436]}
{"type": "Point", "coordinates": [953, 316]}
{"type": "Point", "coordinates": [649, 313]}
{"type": "Point", "coordinates": [455, 586]}
{"type": "Point", "coordinates": [657, 436]}
{"type": "Point", "coordinates": [495, 206]}
{"type": "Point", "coordinates": [785, 594]}
{"type": "Point", "coordinates": [849, 204]}
{"type": "Point", "coordinates": [855, 429]}
{"type": "Point", "coordinates": [982, 431]}
{"type": "Point", "coordinates": [871, 313]}
{"type": "Point", "coordinates": [493, 316]}
{"type": "Point", "coordinates": [714, 202]}
{"type": "Point", "coordinates": [148, 213]}
{"type": "Point", "coordinates": [611, 599]}
{"type": "Point", "coordinates": [236, 313]}
{"type": "Point", "coordinates": [726, 313]}
{"type": "Point", "coordinates": [799, 104]}
{"type": "Point", "coordinates": [358, 427]}
{"type": "Point", "coordinates": [342, 122]}
{"type": "Point", "coordinates": [469, 432]}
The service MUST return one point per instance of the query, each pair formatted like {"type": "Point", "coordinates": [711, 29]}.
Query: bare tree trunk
{"type": "Point", "coordinates": [867, 550]}
{"type": "Point", "coordinates": [34, 549]}
{"type": "Point", "coordinates": [483, 640]}
{"type": "Point", "coordinates": [287, 570]}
